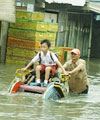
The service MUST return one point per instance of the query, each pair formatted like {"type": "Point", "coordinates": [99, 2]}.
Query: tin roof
{"type": "Point", "coordinates": [94, 0]}
{"type": "Point", "coordinates": [93, 6]}
{"type": "Point", "coordinates": [73, 2]}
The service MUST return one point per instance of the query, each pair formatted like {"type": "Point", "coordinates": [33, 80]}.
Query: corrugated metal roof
{"type": "Point", "coordinates": [94, 0]}
{"type": "Point", "coordinates": [94, 6]}
{"type": "Point", "coordinates": [73, 2]}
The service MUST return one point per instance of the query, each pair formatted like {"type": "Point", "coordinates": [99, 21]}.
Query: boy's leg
{"type": "Point", "coordinates": [47, 74]}
{"type": "Point", "coordinates": [38, 69]}
{"type": "Point", "coordinates": [53, 70]}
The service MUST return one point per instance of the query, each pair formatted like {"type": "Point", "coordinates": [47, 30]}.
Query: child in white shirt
{"type": "Point", "coordinates": [47, 64]}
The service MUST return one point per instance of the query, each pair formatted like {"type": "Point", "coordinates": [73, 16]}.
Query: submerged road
{"type": "Point", "coordinates": [28, 106]}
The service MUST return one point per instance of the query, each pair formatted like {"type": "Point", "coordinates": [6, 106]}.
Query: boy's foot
{"type": "Point", "coordinates": [45, 83]}
{"type": "Point", "coordinates": [37, 80]}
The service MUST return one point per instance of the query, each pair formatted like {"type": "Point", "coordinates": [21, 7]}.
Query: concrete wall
{"type": "Point", "coordinates": [7, 10]}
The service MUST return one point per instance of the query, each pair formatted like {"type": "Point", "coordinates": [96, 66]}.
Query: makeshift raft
{"type": "Point", "coordinates": [54, 90]}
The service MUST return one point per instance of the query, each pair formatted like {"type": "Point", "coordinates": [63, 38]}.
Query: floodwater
{"type": "Point", "coordinates": [29, 106]}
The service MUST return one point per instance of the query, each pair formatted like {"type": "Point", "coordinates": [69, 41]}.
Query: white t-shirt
{"type": "Point", "coordinates": [46, 59]}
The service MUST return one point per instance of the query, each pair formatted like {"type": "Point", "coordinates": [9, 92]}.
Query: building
{"type": "Point", "coordinates": [79, 23]}
{"type": "Point", "coordinates": [7, 14]}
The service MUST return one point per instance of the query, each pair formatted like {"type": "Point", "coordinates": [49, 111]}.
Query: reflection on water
{"type": "Point", "coordinates": [23, 106]}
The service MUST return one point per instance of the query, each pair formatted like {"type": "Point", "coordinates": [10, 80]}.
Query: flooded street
{"type": "Point", "coordinates": [28, 106]}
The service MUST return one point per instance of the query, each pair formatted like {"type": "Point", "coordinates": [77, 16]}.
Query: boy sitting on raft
{"type": "Point", "coordinates": [47, 64]}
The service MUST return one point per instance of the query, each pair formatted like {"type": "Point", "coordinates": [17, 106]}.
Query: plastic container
{"type": "Point", "coordinates": [29, 25]}
{"type": "Point", "coordinates": [37, 16]}
{"type": "Point", "coordinates": [52, 27]}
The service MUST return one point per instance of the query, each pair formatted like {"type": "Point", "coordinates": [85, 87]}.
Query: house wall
{"type": "Point", "coordinates": [78, 29]}
{"type": "Point", "coordinates": [62, 28]}
{"type": "Point", "coordinates": [75, 28]}
{"type": "Point", "coordinates": [75, 31]}
{"type": "Point", "coordinates": [78, 32]}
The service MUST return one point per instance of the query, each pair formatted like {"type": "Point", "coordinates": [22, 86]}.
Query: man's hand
{"type": "Point", "coordinates": [67, 73]}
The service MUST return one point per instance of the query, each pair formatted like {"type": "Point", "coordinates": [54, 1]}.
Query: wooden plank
{"type": "Point", "coordinates": [61, 29]}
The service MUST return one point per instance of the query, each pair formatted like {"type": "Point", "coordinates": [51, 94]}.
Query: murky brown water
{"type": "Point", "coordinates": [28, 106]}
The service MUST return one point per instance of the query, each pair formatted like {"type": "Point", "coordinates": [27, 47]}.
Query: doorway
{"type": "Point", "coordinates": [95, 43]}
{"type": "Point", "coordinates": [78, 31]}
